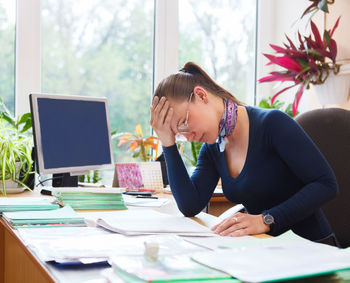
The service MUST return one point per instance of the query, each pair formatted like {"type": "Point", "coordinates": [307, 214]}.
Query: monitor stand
{"type": "Point", "coordinates": [64, 180]}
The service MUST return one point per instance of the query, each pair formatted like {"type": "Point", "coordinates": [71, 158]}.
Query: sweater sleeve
{"type": "Point", "coordinates": [191, 194]}
{"type": "Point", "coordinates": [308, 164]}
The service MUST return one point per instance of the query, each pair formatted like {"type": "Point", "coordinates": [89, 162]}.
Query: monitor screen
{"type": "Point", "coordinates": [71, 133]}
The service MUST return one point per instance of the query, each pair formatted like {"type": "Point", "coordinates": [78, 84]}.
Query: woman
{"type": "Point", "coordinates": [264, 159]}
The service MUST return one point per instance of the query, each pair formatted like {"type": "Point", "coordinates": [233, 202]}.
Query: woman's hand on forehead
{"type": "Point", "coordinates": [162, 120]}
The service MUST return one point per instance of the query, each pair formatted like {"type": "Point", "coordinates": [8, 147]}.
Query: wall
{"type": "Point", "coordinates": [280, 17]}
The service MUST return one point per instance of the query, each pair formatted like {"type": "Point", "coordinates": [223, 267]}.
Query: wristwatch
{"type": "Point", "coordinates": [268, 219]}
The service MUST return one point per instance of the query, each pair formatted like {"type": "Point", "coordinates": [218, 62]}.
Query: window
{"type": "Point", "coordinates": [7, 52]}
{"type": "Point", "coordinates": [101, 48]}
{"type": "Point", "coordinates": [105, 48]}
{"type": "Point", "coordinates": [219, 35]}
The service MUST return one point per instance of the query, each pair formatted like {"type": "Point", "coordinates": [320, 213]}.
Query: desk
{"type": "Point", "coordinates": [19, 265]}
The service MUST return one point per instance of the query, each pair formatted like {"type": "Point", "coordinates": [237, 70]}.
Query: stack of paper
{"type": "Point", "coordinates": [26, 203]}
{"type": "Point", "coordinates": [90, 198]}
{"type": "Point", "coordinates": [145, 221]}
{"type": "Point", "coordinates": [286, 260]}
{"type": "Point", "coordinates": [72, 244]}
{"type": "Point", "coordinates": [166, 268]}
{"type": "Point", "coordinates": [47, 218]}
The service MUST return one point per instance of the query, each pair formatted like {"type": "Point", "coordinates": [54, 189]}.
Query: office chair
{"type": "Point", "coordinates": [330, 131]}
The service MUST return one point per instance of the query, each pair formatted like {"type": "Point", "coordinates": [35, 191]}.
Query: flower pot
{"type": "Point", "coordinates": [11, 186]}
{"type": "Point", "coordinates": [336, 88]}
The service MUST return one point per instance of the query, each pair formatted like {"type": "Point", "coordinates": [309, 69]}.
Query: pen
{"type": "Point", "coordinates": [146, 197]}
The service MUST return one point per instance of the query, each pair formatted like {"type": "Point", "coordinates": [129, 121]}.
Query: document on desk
{"type": "Point", "coordinates": [146, 221]}
{"type": "Point", "coordinates": [145, 202]}
{"type": "Point", "coordinates": [166, 268]}
{"type": "Point", "coordinates": [27, 203]}
{"type": "Point", "coordinates": [277, 262]}
{"type": "Point", "coordinates": [243, 242]}
{"type": "Point", "coordinates": [59, 217]}
{"type": "Point", "coordinates": [73, 244]}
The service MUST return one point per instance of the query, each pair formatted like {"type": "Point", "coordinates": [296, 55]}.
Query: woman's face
{"type": "Point", "coordinates": [197, 120]}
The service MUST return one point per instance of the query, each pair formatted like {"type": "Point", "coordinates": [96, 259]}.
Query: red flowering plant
{"type": "Point", "coordinates": [309, 63]}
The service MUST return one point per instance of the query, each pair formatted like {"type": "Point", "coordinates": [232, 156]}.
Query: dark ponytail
{"type": "Point", "coordinates": [180, 85]}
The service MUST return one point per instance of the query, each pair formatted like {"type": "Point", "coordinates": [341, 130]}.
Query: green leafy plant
{"type": "Point", "coordinates": [92, 177]}
{"type": "Point", "coordinates": [16, 146]}
{"type": "Point", "coordinates": [195, 148]}
{"type": "Point", "coordinates": [138, 144]}
{"type": "Point", "coordinates": [276, 104]}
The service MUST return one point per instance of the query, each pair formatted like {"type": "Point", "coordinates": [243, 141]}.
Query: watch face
{"type": "Point", "coordinates": [268, 219]}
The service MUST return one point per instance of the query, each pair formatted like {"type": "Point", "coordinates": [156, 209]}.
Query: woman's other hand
{"type": "Point", "coordinates": [161, 116]}
{"type": "Point", "coordinates": [241, 224]}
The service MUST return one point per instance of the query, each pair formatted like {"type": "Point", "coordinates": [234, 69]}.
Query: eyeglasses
{"type": "Point", "coordinates": [183, 128]}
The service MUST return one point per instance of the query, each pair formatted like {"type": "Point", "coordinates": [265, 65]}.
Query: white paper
{"type": "Point", "coordinates": [144, 202]}
{"type": "Point", "coordinates": [223, 243]}
{"type": "Point", "coordinates": [139, 221]}
{"type": "Point", "coordinates": [282, 260]}
{"type": "Point", "coordinates": [69, 244]}
{"type": "Point", "coordinates": [243, 242]}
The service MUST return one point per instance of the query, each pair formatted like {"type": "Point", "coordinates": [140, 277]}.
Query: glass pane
{"type": "Point", "coordinates": [7, 52]}
{"type": "Point", "coordinates": [101, 48]}
{"type": "Point", "coordinates": [219, 35]}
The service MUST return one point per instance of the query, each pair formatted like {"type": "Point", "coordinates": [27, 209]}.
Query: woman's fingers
{"type": "Point", "coordinates": [157, 108]}
{"type": "Point", "coordinates": [241, 224]}
{"type": "Point", "coordinates": [161, 117]}
{"type": "Point", "coordinates": [226, 224]}
{"type": "Point", "coordinates": [163, 112]}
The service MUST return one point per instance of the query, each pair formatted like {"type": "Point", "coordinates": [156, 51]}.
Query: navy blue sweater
{"type": "Point", "coordinates": [284, 175]}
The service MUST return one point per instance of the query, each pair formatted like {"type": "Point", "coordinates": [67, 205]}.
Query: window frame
{"type": "Point", "coordinates": [28, 47]}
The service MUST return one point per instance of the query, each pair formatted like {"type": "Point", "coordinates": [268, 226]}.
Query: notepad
{"type": "Point", "coordinates": [48, 218]}
{"type": "Point", "coordinates": [141, 222]}
{"type": "Point", "coordinates": [26, 203]}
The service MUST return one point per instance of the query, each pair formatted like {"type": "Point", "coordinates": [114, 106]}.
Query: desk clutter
{"type": "Point", "coordinates": [144, 245]}
{"type": "Point", "coordinates": [134, 259]}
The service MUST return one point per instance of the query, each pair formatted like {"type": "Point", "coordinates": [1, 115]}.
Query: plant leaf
{"type": "Point", "coordinates": [297, 99]}
{"type": "Point", "coordinates": [322, 5]}
{"type": "Point", "coordinates": [335, 26]}
{"type": "Point", "coordinates": [327, 38]}
{"type": "Point", "coordinates": [333, 50]}
{"type": "Point", "coordinates": [264, 103]}
{"type": "Point", "coordinates": [139, 130]}
{"type": "Point", "coordinates": [278, 93]}
{"type": "Point", "coordinates": [316, 34]}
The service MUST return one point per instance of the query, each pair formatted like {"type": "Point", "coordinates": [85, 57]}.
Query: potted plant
{"type": "Point", "coordinates": [138, 144]}
{"type": "Point", "coordinates": [276, 104]}
{"type": "Point", "coordinates": [195, 149]}
{"type": "Point", "coordinates": [310, 62]}
{"type": "Point", "coordinates": [15, 151]}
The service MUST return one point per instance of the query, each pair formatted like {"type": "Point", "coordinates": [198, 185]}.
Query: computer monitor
{"type": "Point", "coordinates": [71, 136]}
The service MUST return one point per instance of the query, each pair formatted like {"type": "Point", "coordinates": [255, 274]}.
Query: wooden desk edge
{"type": "Point", "coordinates": [45, 272]}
